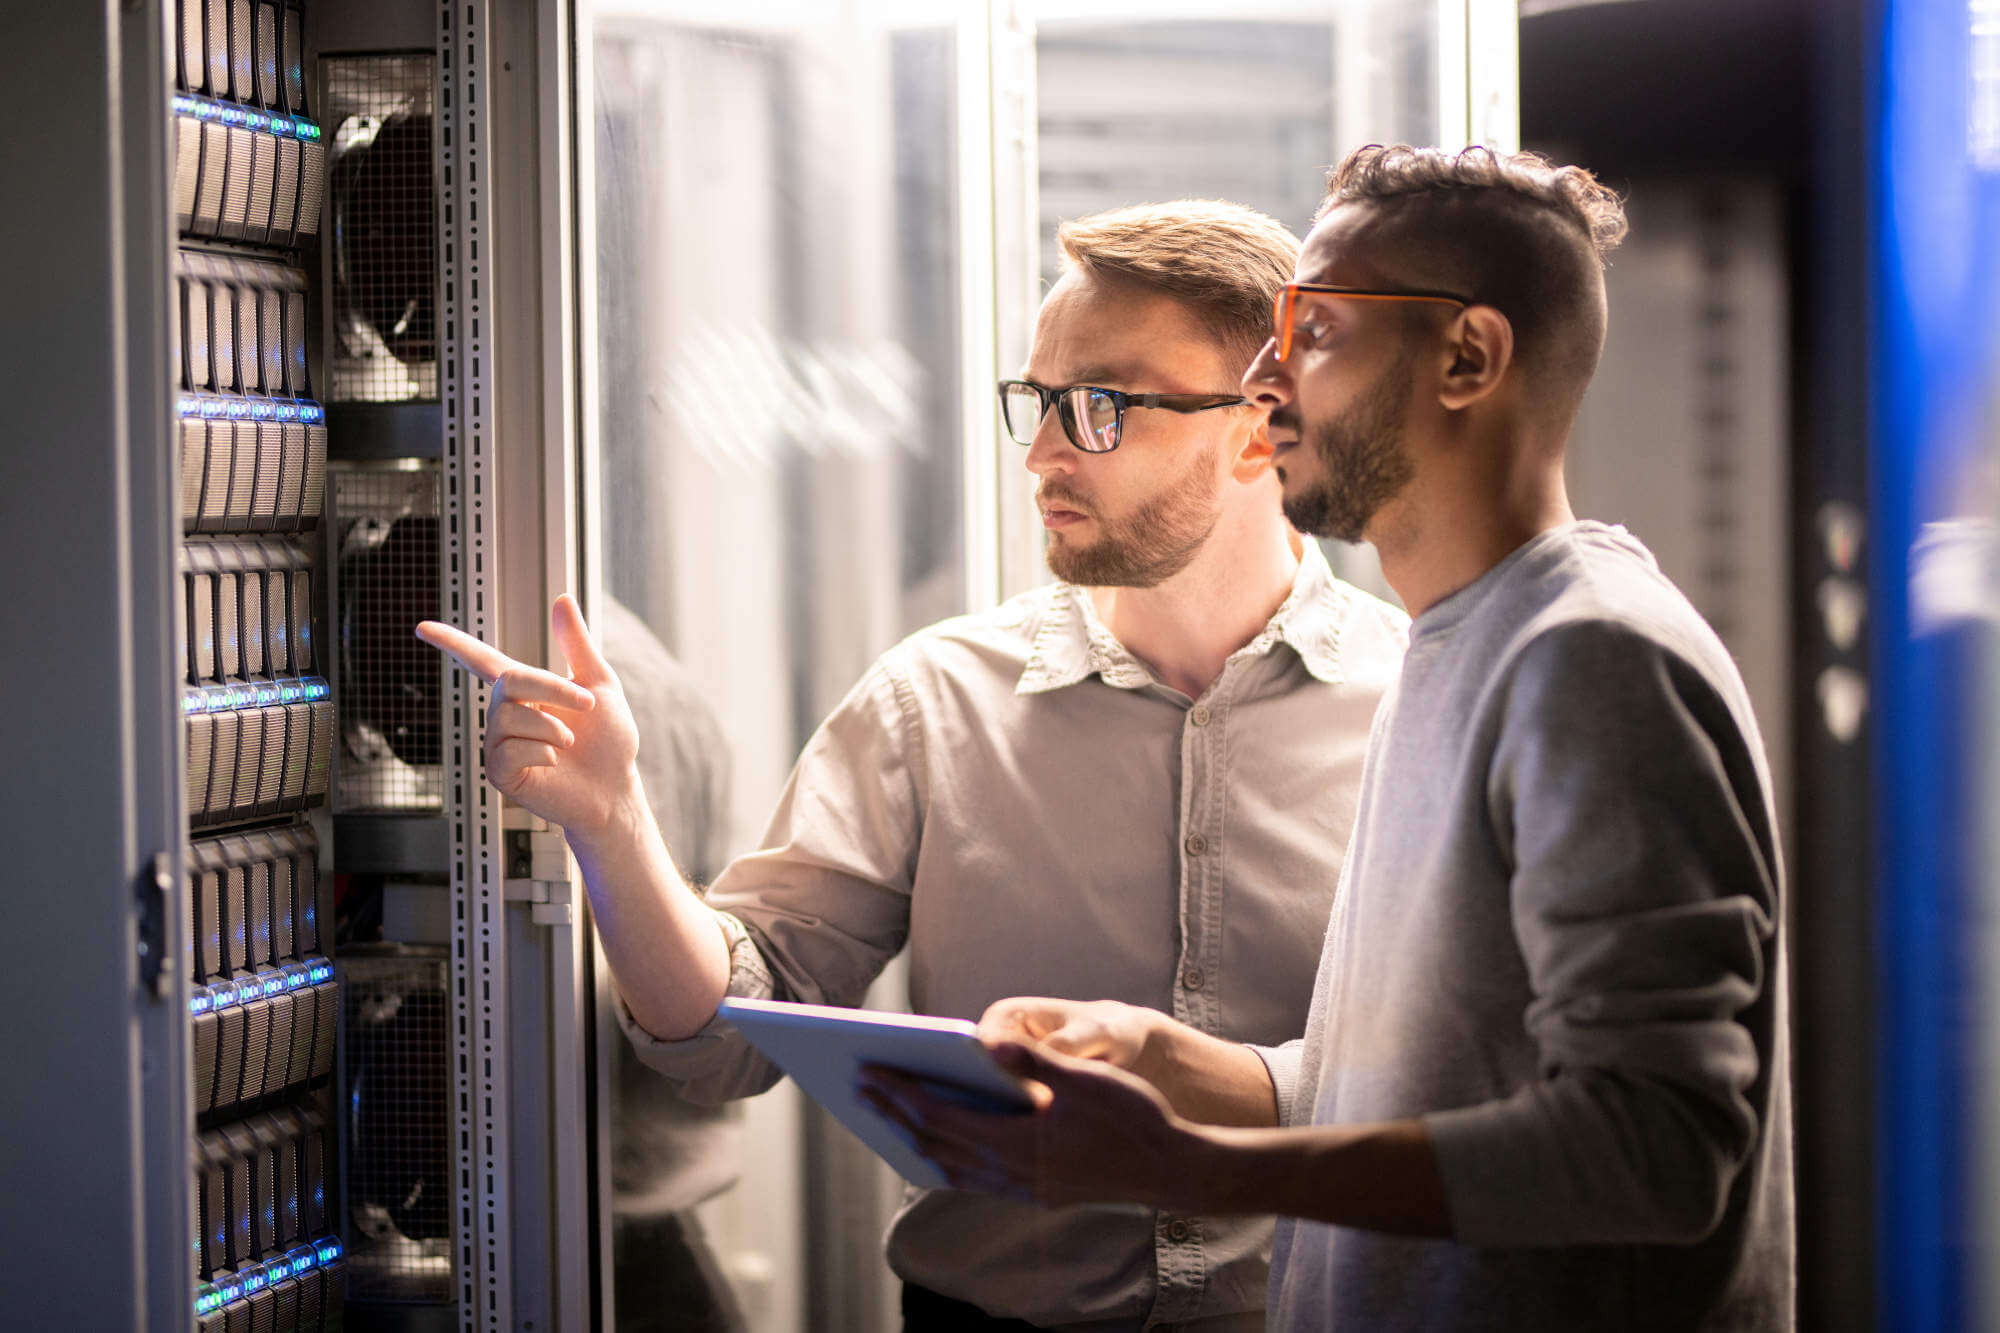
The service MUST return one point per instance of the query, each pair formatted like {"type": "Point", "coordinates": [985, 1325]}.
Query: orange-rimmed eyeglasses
{"type": "Point", "coordinates": [1285, 307]}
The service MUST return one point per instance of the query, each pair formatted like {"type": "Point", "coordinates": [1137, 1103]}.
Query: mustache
{"type": "Point", "coordinates": [1286, 419]}
{"type": "Point", "coordinates": [1059, 497]}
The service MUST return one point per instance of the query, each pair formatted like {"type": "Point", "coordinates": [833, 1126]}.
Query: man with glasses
{"type": "Point", "coordinates": [1544, 1084]}
{"type": "Point", "coordinates": [1133, 785]}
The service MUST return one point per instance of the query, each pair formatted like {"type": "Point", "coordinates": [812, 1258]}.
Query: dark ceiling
{"type": "Point", "coordinates": [1650, 87]}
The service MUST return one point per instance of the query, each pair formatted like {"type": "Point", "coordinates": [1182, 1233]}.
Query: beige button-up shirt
{"type": "Point", "coordinates": [1015, 799]}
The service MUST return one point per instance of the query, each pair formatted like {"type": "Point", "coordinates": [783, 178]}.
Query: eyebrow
{"type": "Point", "coordinates": [1099, 376]}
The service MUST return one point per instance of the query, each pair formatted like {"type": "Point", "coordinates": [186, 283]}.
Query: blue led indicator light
{"type": "Point", "coordinates": [239, 409]}
{"type": "Point", "coordinates": [205, 110]}
{"type": "Point", "coordinates": [288, 414]}
{"type": "Point", "coordinates": [211, 407]}
{"type": "Point", "coordinates": [261, 411]}
{"type": "Point", "coordinates": [280, 126]}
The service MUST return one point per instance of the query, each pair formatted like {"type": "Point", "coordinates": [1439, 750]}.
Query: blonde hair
{"type": "Point", "coordinates": [1223, 261]}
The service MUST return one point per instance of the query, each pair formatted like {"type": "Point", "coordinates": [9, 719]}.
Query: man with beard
{"type": "Point", "coordinates": [1136, 783]}
{"type": "Point", "coordinates": [1544, 1083]}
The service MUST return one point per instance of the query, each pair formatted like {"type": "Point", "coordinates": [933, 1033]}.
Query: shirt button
{"type": "Point", "coordinates": [1199, 716]}
{"type": "Point", "coordinates": [1196, 844]}
{"type": "Point", "coordinates": [1177, 1231]}
{"type": "Point", "coordinates": [1193, 978]}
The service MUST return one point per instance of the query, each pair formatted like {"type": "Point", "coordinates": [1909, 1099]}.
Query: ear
{"type": "Point", "coordinates": [1479, 351]}
{"type": "Point", "coordinates": [1253, 457]}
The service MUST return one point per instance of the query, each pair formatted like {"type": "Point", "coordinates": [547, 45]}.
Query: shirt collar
{"type": "Point", "coordinates": [1072, 644]}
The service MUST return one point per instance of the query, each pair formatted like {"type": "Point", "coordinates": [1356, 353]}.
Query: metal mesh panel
{"type": "Point", "coordinates": [397, 1054]}
{"type": "Point", "coordinates": [385, 526]}
{"type": "Point", "coordinates": [267, 54]}
{"type": "Point", "coordinates": [379, 113]}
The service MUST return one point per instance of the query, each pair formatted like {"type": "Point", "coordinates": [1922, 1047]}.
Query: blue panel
{"type": "Point", "coordinates": [1937, 290]}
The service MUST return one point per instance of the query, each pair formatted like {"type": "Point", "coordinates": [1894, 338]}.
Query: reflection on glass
{"type": "Point", "coordinates": [1130, 111]}
{"type": "Point", "coordinates": [776, 249]}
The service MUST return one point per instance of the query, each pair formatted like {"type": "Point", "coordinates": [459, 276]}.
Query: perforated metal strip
{"type": "Point", "coordinates": [479, 976]}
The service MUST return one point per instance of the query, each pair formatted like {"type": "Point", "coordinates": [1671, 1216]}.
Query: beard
{"type": "Point", "coordinates": [1362, 462]}
{"type": "Point", "coordinates": [1148, 546]}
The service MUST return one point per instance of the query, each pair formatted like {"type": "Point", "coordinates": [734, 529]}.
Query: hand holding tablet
{"type": "Point", "coordinates": [824, 1048]}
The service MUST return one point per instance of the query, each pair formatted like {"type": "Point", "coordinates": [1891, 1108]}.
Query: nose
{"type": "Point", "coordinates": [1268, 381]}
{"type": "Point", "coordinates": [1051, 450]}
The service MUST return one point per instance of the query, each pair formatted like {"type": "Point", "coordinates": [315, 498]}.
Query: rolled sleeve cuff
{"type": "Point", "coordinates": [714, 1064]}
{"type": "Point", "coordinates": [1501, 1186]}
{"type": "Point", "coordinates": [1282, 1063]}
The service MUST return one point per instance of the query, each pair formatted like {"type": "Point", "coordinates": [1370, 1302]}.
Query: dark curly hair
{"type": "Point", "coordinates": [1510, 230]}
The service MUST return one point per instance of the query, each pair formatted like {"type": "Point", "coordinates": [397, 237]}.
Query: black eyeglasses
{"type": "Point", "coordinates": [1093, 418]}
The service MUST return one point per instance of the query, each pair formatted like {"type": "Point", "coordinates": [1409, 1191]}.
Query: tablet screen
{"type": "Point", "coordinates": [823, 1049]}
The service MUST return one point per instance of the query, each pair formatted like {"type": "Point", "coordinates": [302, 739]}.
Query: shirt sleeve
{"type": "Point", "coordinates": [815, 913]}
{"type": "Point", "coordinates": [1644, 898]}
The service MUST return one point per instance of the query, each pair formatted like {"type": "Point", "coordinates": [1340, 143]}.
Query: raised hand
{"type": "Point", "coordinates": [561, 748]}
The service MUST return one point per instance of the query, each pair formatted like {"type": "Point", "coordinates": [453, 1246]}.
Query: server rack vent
{"type": "Point", "coordinates": [379, 109]}
{"type": "Point", "coordinates": [397, 1059]}
{"type": "Point", "coordinates": [385, 529]}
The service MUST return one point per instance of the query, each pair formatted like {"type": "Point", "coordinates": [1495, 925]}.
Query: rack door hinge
{"type": "Point", "coordinates": [538, 874]}
{"type": "Point", "coordinates": [156, 886]}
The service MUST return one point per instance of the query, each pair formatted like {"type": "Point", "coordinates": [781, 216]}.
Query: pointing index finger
{"type": "Point", "coordinates": [481, 659]}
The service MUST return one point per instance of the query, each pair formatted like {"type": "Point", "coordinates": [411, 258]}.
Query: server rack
{"type": "Point", "coordinates": [172, 638]}
{"type": "Point", "coordinates": [249, 174]}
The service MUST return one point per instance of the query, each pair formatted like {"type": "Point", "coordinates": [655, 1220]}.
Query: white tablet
{"type": "Point", "coordinates": [824, 1048]}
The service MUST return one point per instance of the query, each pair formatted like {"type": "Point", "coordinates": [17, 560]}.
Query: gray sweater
{"type": "Point", "coordinates": [1558, 940]}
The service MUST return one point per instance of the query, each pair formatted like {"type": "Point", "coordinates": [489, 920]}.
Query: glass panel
{"type": "Point", "coordinates": [779, 405]}
{"type": "Point", "coordinates": [779, 352]}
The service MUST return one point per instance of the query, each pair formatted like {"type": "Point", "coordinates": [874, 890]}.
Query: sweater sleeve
{"type": "Point", "coordinates": [1632, 808]}
{"type": "Point", "coordinates": [815, 914]}
{"type": "Point", "coordinates": [1282, 1064]}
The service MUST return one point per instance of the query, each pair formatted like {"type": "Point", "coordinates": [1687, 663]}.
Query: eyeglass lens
{"type": "Point", "coordinates": [1090, 417]}
{"type": "Point", "coordinates": [1281, 321]}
